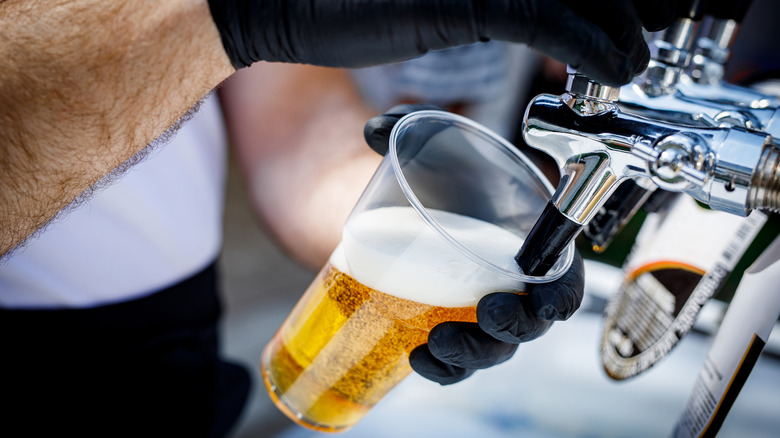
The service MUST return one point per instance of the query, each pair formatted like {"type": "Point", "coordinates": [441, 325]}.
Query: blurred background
{"type": "Point", "coordinates": [551, 388]}
{"type": "Point", "coordinates": [260, 286]}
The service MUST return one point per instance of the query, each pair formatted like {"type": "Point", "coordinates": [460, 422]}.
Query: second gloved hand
{"type": "Point", "coordinates": [504, 319]}
{"type": "Point", "coordinates": [601, 39]}
{"type": "Point", "coordinates": [456, 349]}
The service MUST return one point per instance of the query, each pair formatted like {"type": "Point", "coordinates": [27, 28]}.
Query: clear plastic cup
{"type": "Point", "coordinates": [436, 229]}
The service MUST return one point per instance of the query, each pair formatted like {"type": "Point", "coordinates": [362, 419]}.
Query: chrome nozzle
{"type": "Point", "coordinates": [765, 185]}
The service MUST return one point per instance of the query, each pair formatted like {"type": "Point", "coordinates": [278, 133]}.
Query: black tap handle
{"type": "Point", "coordinates": [615, 214]}
{"type": "Point", "coordinates": [728, 9]}
{"type": "Point", "coordinates": [547, 240]}
{"type": "Point", "coordinates": [660, 201]}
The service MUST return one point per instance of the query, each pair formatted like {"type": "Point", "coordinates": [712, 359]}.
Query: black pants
{"type": "Point", "coordinates": [144, 368]}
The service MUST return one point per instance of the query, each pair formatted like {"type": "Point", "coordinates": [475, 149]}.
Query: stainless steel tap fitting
{"type": "Point", "coordinates": [597, 147]}
{"type": "Point", "coordinates": [596, 151]}
{"type": "Point", "coordinates": [580, 85]}
{"type": "Point", "coordinates": [765, 187]}
{"type": "Point", "coordinates": [689, 67]}
{"type": "Point", "coordinates": [711, 52]}
{"type": "Point", "coordinates": [713, 49]}
{"type": "Point", "coordinates": [676, 107]}
{"type": "Point", "coordinates": [684, 136]}
{"type": "Point", "coordinates": [668, 90]}
{"type": "Point", "coordinates": [671, 56]}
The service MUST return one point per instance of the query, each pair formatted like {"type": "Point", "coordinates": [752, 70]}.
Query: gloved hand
{"type": "Point", "coordinates": [601, 39]}
{"type": "Point", "coordinates": [456, 349]}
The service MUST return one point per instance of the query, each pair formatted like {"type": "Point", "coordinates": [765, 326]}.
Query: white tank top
{"type": "Point", "coordinates": [158, 224]}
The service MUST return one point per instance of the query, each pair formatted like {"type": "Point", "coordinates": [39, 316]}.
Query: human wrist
{"type": "Point", "coordinates": [227, 16]}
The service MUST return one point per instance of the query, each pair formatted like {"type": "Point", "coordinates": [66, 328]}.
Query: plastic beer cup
{"type": "Point", "coordinates": [436, 229]}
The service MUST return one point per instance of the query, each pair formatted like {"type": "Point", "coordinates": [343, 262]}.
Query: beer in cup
{"type": "Point", "coordinates": [435, 230]}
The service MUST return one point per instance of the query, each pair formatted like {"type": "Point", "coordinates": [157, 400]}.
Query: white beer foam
{"type": "Point", "coordinates": [392, 250]}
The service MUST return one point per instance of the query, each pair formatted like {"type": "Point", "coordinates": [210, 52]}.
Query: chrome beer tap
{"type": "Point", "coordinates": [713, 50]}
{"type": "Point", "coordinates": [597, 146]}
{"type": "Point", "coordinates": [651, 94]}
{"type": "Point", "coordinates": [667, 92]}
{"type": "Point", "coordinates": [716, 39]}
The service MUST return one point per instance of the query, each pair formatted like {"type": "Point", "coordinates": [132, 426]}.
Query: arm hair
{"type": "Point", "coordinates": [87, 84]}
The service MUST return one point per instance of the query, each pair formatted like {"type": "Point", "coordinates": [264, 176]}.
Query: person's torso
{"type": "Point", "coordinates": [158, 223]}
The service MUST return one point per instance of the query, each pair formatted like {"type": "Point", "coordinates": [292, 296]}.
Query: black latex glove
{"type": "Point", "coordinates": [601, 39]}
{"type": "Point", "coordinates": [456, 349]}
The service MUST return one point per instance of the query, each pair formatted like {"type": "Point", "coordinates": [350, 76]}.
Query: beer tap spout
{"type": "Point", "coordinates": [684, 84]}
{"type": "Point", "coordinates": [598, 146]}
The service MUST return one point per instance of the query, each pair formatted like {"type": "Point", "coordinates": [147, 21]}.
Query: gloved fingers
{"type": "Point", "coordinates": [377, 129]}
{"type": "Point", "coordinates": [584, 46]}
{"type": "Point", "coordinates": [464, 344]}
{"type": "Point", "coordinates": [621, 22]}
{"type": "Point", "coordinates": [558, 300]}
{"type": "Point", "coordinates": [426, 365]}
{"type": "Point", "coordinates": [509, 317]}
{"type": "Point", "coordinates": [656, 15]}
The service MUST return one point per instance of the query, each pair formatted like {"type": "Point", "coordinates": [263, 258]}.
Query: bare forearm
{"type": "Point", "coordinates": [86, 84]}
{"type": "Point", "coordinates": [298, 131]}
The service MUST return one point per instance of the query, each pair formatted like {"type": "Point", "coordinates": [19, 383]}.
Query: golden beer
{"type": "Point", "coordinates": [346, 344]}
{"type": "Point", "coordinates": [346, 347]}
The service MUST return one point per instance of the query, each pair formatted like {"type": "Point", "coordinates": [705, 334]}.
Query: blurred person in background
{"type": "Point", "coordinates": [109, 314]}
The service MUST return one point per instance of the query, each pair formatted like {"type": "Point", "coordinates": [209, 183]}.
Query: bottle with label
{"type": "Point", "coordinates": [741, 338]}
{"type": "Point", "coordinates": [682, 257]}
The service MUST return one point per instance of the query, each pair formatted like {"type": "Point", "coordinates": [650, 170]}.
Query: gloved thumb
{"type": "Point", "coordinates": [377, 129]}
